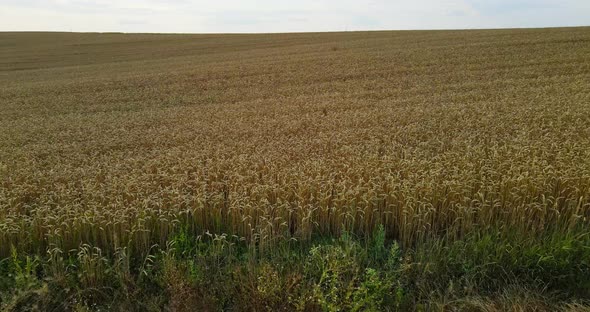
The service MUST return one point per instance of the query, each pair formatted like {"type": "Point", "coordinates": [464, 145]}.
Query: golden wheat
{"type": "Point", "coordinates": [116, 141]}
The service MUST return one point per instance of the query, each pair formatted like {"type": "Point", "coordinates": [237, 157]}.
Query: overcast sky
{"type": "Point", "coordinates": [214, 16]}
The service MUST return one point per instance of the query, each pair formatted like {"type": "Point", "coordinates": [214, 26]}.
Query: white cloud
{"type": "Point", "coordinates": [282, 15]}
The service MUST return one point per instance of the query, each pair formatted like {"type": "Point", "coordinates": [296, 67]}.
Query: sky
{"type": "Point", "coordinates": [264, 16]}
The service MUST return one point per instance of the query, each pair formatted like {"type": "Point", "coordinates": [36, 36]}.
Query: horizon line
{"type": "Point", "coordinates": [292, 32]}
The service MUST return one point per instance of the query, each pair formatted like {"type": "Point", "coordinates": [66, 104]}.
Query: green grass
{"type": "Point", "coordinates": [343, 274]}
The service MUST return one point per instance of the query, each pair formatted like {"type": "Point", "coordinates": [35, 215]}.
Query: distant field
{"type": "Point", "coordinates": [123, 141]}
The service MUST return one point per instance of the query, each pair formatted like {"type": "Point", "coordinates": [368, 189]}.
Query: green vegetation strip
{"type": "Point", "coordinates": [220, 273]}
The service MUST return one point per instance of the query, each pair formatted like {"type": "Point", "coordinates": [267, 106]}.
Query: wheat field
{"type": "Point", "coordinates": [120, 140]}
